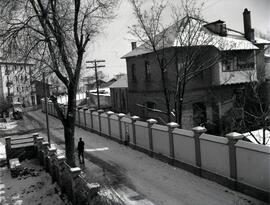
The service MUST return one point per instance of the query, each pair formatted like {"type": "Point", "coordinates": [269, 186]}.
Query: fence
{"type": "Point", "coordinates": [69, 179]}
{"type": "Point", "coordinates": [230, 161]}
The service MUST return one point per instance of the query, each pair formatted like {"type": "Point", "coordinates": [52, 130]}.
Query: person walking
{"type": "Point", "coordinates": [80, 149]}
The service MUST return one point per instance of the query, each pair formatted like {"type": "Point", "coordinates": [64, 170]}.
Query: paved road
{"type": "Point", "coordinates": [154, 180]}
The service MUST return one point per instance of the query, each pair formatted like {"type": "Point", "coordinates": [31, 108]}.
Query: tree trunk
{"type": "Point", "coordinates": [166, 95]}
{"type": "Point", "coordinates": [69, 127]}
{"type": "Point", "coordinates": [69, 144]}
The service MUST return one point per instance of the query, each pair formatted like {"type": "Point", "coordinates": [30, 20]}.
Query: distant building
{"type": "Point", "coordinates": [15, 83]}
{"type": "Point", "coordinates": [212, 92]}
{"type": "Point", "coordinates": [39, 90]}
{"type": "Point", "coordinates": [119, 95]}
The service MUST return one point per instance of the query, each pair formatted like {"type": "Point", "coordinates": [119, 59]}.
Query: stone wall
{"type": "Point", "coordinates": [227, 160]}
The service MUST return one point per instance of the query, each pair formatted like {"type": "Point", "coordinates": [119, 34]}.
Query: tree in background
{"type": "Point", "coordinates": [191, 55]}
{"type": "Point", "coordinates": [54, 34]}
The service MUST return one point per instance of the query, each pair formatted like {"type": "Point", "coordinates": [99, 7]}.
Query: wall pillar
{"type": "Point", "coordinates": [151, 122]}
{"type": "Point", "coordinates": [91, 117]}
{"type": "Point", "coordinates": [134, 119]}
{"type": "Point", "coordinates": [60, 168]}
{"type": "Point", "coordinates": [99, 120]}
{"type": "Point", "coordinates": [51, 154]}
{"type": "Point", "coordinates": [74, 173]}
{"type": "Point", "coordinates": [171, 127]}
{"type": "Point", "coordinates": [120, 116]}
{"type": "Point", "coordinates": [35, 136]}
{"type": "Point", "coordinates": [8, 149]}
{"type": "Point", "coordinates": [45, 147]}
{"type": "Point", "coordinates": [84, 116]}
{"type": "Point", "coordinates": [93, 189]}
{"type": "Point", "coordinates": [233, 137]}
{"type": "Point", "coordinates": [198, 131]}
{"type": "Point", "coordinates": [109, 113]}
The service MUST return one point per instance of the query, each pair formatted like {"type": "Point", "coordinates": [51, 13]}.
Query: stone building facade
{"type": "Point", "coordinates": [15, 83]}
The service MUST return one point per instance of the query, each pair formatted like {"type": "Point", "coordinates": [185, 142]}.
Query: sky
{"type": "Point", "coordinates": [115, 41]}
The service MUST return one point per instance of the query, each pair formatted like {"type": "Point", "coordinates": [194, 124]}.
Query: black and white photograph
{"type": "Point", "coordinates": [134, 102]}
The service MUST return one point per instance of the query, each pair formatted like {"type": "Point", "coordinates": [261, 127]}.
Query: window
{"type": "Point", "coordinates": [147, 71]}
{"type": "Point", "coordinates": [133, 72]}
{"type": "Point", "coordinates": [151, 105]}
{"type": "Point", "coordinates": [230, 64]}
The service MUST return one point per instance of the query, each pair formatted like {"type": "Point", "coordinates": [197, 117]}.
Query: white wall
{"type": "Point", "coordinates": [88, 118]}
{"type": "Point", "coordinates": [82, 117]}
{"type": "Point", "coordinates": [142, 138]}
{"type": "Point", "coordinates": [95, 121]}
{"type": "Point", "coordinates": [114, 126]}
{"type": "Point", "coordinates": [184, 146]}
{"type": "Point", "coordinates": [253, 164]}
{"type": "Point", "coordinates": [161, 142]}
{"type": "Point", "coordinates": [104, 124]}
{"type": "Point", "coordinates": [215, 154]}
{"type": "Point", "coordinates": [126, 129]}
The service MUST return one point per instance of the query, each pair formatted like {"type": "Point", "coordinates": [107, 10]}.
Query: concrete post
{"type": "Point", "coordinates": [99, 120]}
{"type": "Point", "coordinates": [150, 122]}
{"type": "Point", "coordinates": [91, 117]}
{"type": "Point", "coordinates": [45, 147]}
{"type": "Point", "coordinates": [8, 149]}
{"type": "Point", "coordinates": [74, 173]}
{"type": "Point", "coordinates": [120, 116]}
{"type": "Point", "coordinates": [198, 131]}
{"type": "Point", "coordinates": [60, 168]}
{"type": "Point", "coordinates": [171, 127]}
{"type": "Point", "coordinates": [134, 119]}
{"type": "Point", "coordinates": [84, 116]}
{"type": "Point", "coordinates": [233, 137]}
{"type": "Point", "coordinates": [35, 136]}
{"type": "Point", "coordinates": [93, 189]}
{"type": "Point", "coordinates": [109, 113]}
{"type": "Point", "coordinates": [51, 154]}
{"type": "Point", "coordinates": [39, 141]}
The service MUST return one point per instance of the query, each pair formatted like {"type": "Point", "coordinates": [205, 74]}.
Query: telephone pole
{"type": "Point", "coordinates": [46, 108]}
{"type": "Point", "coordinates": [95, 66]}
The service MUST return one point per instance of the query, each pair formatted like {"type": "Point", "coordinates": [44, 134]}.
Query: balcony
{"type": "Point", "coordinates": [239, 73]}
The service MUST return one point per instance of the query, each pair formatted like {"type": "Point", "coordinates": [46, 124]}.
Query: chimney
{"type": "Point", "coordinates": [133, 45]}
{"type": "Point", "coordinates": [249, 32]}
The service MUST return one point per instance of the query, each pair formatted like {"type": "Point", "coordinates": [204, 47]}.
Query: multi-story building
{"type": "Point", "coordinates": [15, 83]}
{"type": "Point", "coordinates": [211, 93]}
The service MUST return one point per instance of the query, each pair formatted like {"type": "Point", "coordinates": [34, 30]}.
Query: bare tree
{"type": "Point", "coordinates": [250, 113]}
{"type": "Point", "coordinates": [191, 42]}
{"type": "Point", "coordinates": [150, 31]}
{"type": "Point", "coordinates": [54, 34]}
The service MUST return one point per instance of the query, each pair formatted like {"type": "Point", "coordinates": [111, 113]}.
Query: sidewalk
{"type": "Point", "coordinates": [159, 182]}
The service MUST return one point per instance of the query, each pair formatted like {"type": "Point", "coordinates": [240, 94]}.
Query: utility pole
{"type": "Point", "coordinates": [96, 67]}
{"type": "Point", "coordinates": [46, 109]}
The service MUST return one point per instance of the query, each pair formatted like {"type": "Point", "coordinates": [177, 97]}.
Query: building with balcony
{"type": "Point", "coordinates": [239, 59]}
{"type": "Point", "coordinates": [15, 83]}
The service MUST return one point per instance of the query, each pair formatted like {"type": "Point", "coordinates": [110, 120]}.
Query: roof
{"type": "Point", "coordinates": [195, 28]}
{"type": "Point", "coordinates": [121, 82]}
{"type": "Point", "coordinates": [259, 136]}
